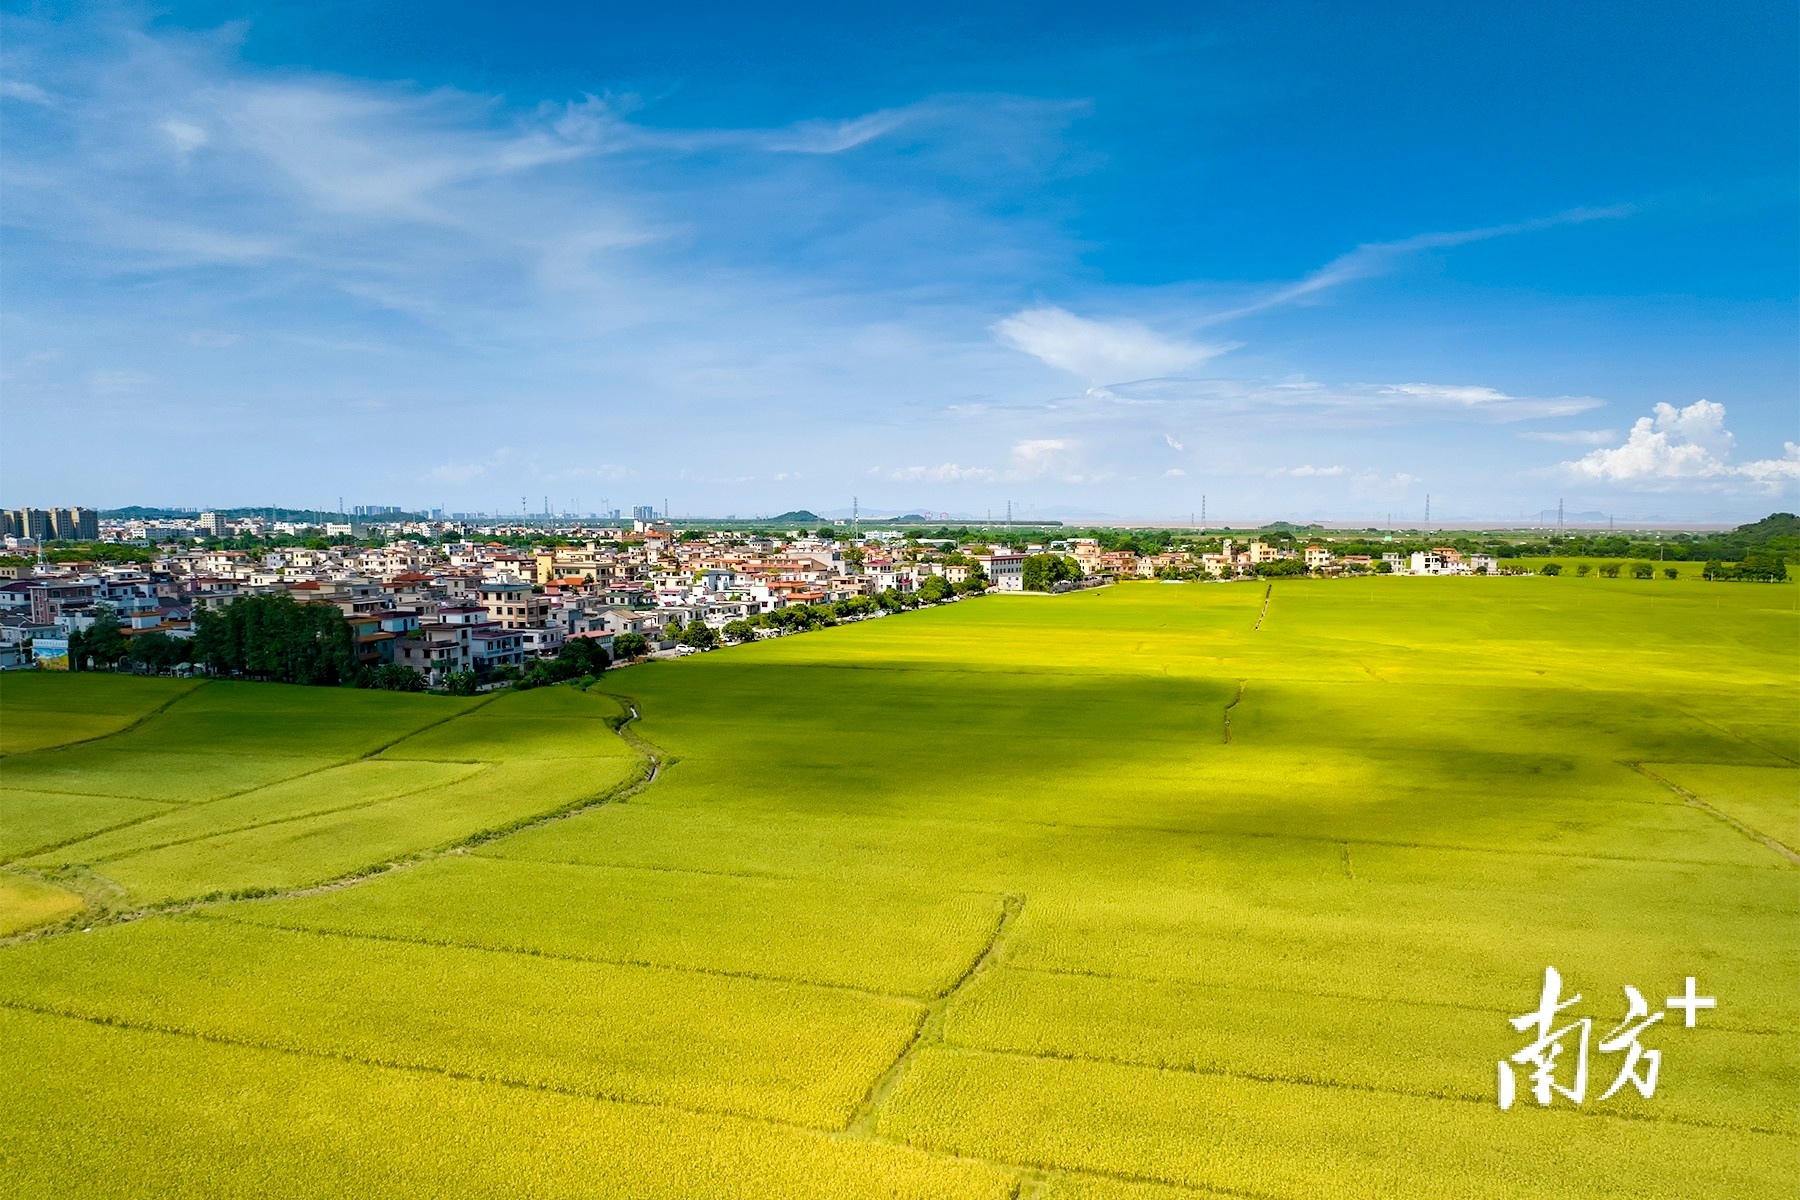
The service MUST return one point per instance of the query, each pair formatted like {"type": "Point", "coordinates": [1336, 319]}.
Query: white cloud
{"type": "Point", "coordinates": [1474, 399]}
{"type": "Point", "coordinates": [1374, 481]}
{"type": "Point", "coordinates": [834, 137]}
{"type": "Point", "coordinates": [186, 136]}
{"type": "Point", "coordinates": [1572, 437]}
{"type": "Point", "coordinates": [116, 383]}
{"type": "Point", "coordinates": [1367, 402]}
{"type": "Point", "coordinates": [1676, 447]}
{"type": "Point", "coordinates": [1378, 258]}
{"type": "Point", "coordinates": [1036, 455]}
{"type": "Point", "coordinates": [1774, 474]}
{"type": "Point", "coordinates": [945, 473]}
{"type": "Point", "coordinates": [1174, 473]}
{"type": "Point", "coordinates": [1099, 350]}
{"type": "Point", "coordinates": [1172, 443]}
{"type": "Point", "coordinates": [1308, 471]}
{"type": "Point", "coordinates": [213, 340]}
{"type": "Point", "coordinates": [30, 93]}
{"type": "Point", "coordinates": [457, 473]}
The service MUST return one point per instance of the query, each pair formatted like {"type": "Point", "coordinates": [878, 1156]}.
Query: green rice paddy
{"type": "Point", "coordinates": [1119, 894]}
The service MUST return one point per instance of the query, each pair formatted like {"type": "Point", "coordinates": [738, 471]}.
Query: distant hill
{"type": "Point", "coordinates": [797, 517]}
{"type": "Point", "coordinates": [1771, 527]}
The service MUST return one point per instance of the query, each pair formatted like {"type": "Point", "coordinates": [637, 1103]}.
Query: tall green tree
{"type": "Point", "coordinates": [101, 643]}
{"type": "Point", "coordinates": [277, 638]}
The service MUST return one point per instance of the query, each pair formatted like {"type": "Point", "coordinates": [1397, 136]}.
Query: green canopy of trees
{"type": "Point", "coordinates": [277, 638]}
{"type": "Point", "coordinates": [1044, 571]}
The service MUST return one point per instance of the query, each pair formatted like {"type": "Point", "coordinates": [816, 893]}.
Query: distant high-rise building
{"type": "Point", "coordinates": [375, 510]}
{"type": "Point", "coordinates": [33, 523]}
{"type": "Point", "coordinates": [644, 512]}
{"type": "Point", "coordinates": [71, 524]}
{"type": "Point", "coordinates": [213, 524]}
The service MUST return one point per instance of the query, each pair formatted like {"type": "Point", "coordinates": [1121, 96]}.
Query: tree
{"type": "Point", "coordinates": [1044, 571]}
{"type": "Point", "coordinates": [738, 631]}
{"type": "Point", "coordinates": [1384, 567]}
{"type": "Point", "coordinates": [975, 584]}
{"type": "Point", "coordinates": [631, 645]}
{"type": "Point", "coordinates": [460, 683]}
{"type": "Point", "coordinates": [1609, 570]}
{"type": "Point", "coordinates": [396, 677]}
{"type": "Point", "coordinates": [699, 635]}
{"type": "Point", "coordinates": [1584, 569]}
{"type": "Point", "coordinates": [102, 642]}
{"type": "Point", "coordinates": [1763, 565]}
{"type": "Point", "coordinates": [1671, 573]}
{"type": "Point", "coordinates": [277, 638]}
{"type": "Point", "coordinates": [1643, 570]}
{"type": "Point", "coordinates": [157, 651]}
{"type": "Point", "coordinates": [936, 589]}
{"type": "Point", "coordinates": [1551, 569]}
{"type": "Point", "coordinates": [582, 656]}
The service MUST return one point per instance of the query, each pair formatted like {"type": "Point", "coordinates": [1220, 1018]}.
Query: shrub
{"type": "Point", "coordinates": [1551, 569]}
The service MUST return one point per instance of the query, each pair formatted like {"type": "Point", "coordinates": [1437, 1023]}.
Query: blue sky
{"type": "Point", "coordinates": [1304, 259]}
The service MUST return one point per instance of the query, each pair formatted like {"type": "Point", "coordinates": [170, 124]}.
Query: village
{"type": "Point", "coordinates": [443, 600]}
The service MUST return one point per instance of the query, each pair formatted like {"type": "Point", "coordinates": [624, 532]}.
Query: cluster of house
{"type": "Point", "coordinates": [475, 605]}
{"type": "Point", "coordinates": [472, 605]}
{"type": "Point", "coordinates": [1232, 560]}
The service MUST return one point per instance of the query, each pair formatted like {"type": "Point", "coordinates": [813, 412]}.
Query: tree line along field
{"type": "Point", "coordinates": [1143, 892]}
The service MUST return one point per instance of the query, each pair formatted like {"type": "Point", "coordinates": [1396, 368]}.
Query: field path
{"type": "Point", "coordinates": [1235, 701]}
{"type": "Point", "coordinates": [135, 723]}
{"type": "Point", "coordinates": [931, 1023]}
{"type": "Point", "coordinates": [1782, 848]}
{"type": "Point", "coordinates": [91, 886]}
{"type": "Point", "coordinates": [1267, 596]}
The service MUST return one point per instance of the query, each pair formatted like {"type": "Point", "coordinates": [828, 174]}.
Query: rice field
{"type": "Point", "coordinates": [1109, 896]}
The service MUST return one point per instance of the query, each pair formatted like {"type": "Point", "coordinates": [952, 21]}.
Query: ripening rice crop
{"type": "Point", "coordinates": [26, 902]}
{"type": "Point", "coordinates": [34, 821]}
{"type": "Point", "coordinates": [902, 942]}
{"type": "Point", "coordinates": [1106, 896]}
{"type": "Point", "coordinates": [1276, 1138]}
{"type": "Point", "coordinates": [54, 708]}
{"type": "Point", "coordinates": [326, 846]}
{"type": "Point", "coordinates": [96, 1111]}
{"type": "Point", "coordinates": [720, 1043]}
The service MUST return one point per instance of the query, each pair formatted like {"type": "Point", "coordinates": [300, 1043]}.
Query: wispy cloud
{"type": "Point", "coordinates": [28, 93]}
{"type": "Point", "coordinates": [1571, 437]}
{"type": "Point", "coordinates": [1363, 402]}
{"type": "Point", "coordinates": [1378, 258]}
{"type": "Point", "coordinates": [943, 473]}
{"type": "Point", "coordinates": [1100, 350]}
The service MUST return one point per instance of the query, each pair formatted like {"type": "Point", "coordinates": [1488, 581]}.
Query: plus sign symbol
{"type": "Point", "coordinates": [1689, 1003]}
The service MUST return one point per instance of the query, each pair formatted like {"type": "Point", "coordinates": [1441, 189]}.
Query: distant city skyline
{"type": "Point", "coordinates": [1308, 260]}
